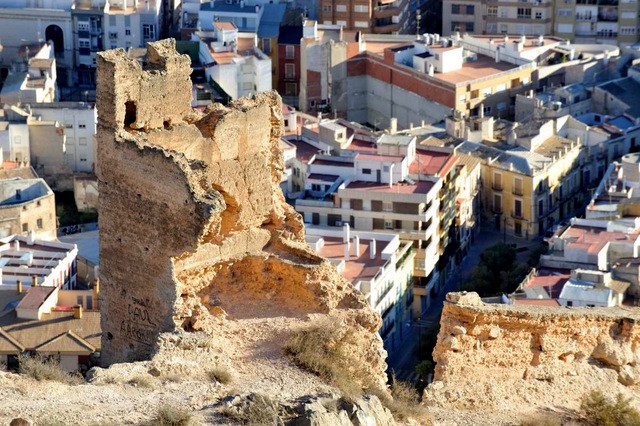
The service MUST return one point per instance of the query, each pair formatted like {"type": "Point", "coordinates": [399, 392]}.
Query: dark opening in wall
{"type": "Point", "coordinates": [129, 113]}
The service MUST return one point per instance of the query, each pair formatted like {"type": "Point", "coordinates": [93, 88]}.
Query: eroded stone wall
{"type": "Point", "coordinates": [490, 354]}
{"type": "Point", "coordinates": [194, 230]}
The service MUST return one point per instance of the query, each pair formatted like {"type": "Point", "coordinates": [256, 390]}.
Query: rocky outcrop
{"type": "Point", "coordinates": [494, 354]}
{"type": "Point", "coordinates": [194, 231]}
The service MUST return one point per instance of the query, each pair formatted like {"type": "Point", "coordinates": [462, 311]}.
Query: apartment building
{"type": "Point", "coordinates": [426, 78]}
{"type": "Point", "coordinates": [597, 21]}
{"type": "Point", "coordinates": [534, 173]}
{"type": "Point", "coordinates": [289, 63]}
{"type": "Point", "coordinates": [380, 266]}
{"type": "Point", "coordinates": [232, 60]}
{"type": "Point", "coordinates": [379, 17]}
{"type": "Point", "coordinates": [27, 204]}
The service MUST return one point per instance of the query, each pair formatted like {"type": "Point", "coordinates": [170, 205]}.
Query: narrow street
{"type": "Point", "coordinates": [404, 360]}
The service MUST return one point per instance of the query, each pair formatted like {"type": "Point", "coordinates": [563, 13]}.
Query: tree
{"type": "Point", "coordinates": [498, 272]}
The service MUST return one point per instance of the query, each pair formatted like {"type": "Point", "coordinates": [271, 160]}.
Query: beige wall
{"type": "Point", "coordinates": [14, 218]}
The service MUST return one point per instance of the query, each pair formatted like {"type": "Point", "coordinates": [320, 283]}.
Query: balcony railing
{"type": "Point", "coordinates": [516, 214]}
{"type": "Point", "coordinates": [518, 191]}
{"type": "Point", "coordinates": [496, 187]}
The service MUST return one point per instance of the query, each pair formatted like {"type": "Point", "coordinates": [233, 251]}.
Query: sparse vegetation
{"type": "Point", "coordinates": [169, 415]}
{"type": "Point", "coordinates": [220, 375]}
{"type": "Point", "coordinates": [254, 410]}
{"type": "Point", "coordinates": [42, 369]}
{"type": "Point", "coordinates": [141, 382]}
{"type": "Point", "coordinates": [541, 419]}
{"type": "Point", "coordinates": [323, 349]}
{"type": "Point", "coordinates": [404, 402]}
{"type": "Point", "coordinates": [598, 410]}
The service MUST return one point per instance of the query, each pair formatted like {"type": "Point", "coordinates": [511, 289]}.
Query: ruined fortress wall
{"type": "Point", "coordinates": [194, 229]}
{"type": "Point", "coordinates": [487, 354]}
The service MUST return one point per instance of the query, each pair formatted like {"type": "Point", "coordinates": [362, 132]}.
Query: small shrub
{"type": "Point", "coordinates": [255, 410]}
{"type": "Point", "coordinates": [169, 415]}
{"type": "Point", "coordinates": [43, 369]}
{"type": "Point", "coordinates": [141, 382]}
{"type": "Point", "coordinates": [598, 410]}
{"type": "Point", "coordinates": [404, 402]}
{"type": "Point", "coordinates": [324, 349]}
{"type": "Point", "coordinates": [220, 375]}
{"type": "Point", "coordinates": [541, 419]}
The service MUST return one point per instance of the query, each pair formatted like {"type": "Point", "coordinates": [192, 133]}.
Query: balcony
{"type": "Point", "coordinates": [386, 28]}
{"type": "Point", "coordinates": [607, 34]}
{"type": "Point", "coordinates": [496, 187]}
{"type": "Point", "coordinates": [517, 191]}
{"type": "Point", "coordinates": [516, 214]}
{"type": "Point", "coordinates": [386, 11]}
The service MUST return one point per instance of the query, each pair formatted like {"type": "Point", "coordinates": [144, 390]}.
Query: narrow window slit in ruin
{"type": "Point", "coordinates": [167, 124]}
{"type": "Point", "coordinates": [129, 113]}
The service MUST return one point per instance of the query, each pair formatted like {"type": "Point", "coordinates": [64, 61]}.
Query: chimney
{"type": "Point", "coordinates": [372, 249]}
{"type": "Point", "coordinates": [77, 312]}
{"type": "Point", "coordinates": [430, 70]}
{"type": "Point", "coordinates": [540, 40]}
{"type": "Point", "coordinates": [391, 175]}
{"type": "Point", "coordinates": [393, 125]}
{"type": "Point", "coordinates": [498, 54]}
{"type": "Point", "coordinates": [347, 251]}
{"type": "Point", "coordinates": [17, 245]}
{"type": "Point", "coordinates": [19, 287]}
{"type": "Point", "coordinates": [345, 233]}
{"type": "Point", "coordinates": [34, 281]}
{"type": "Point", "coordinates": [481, 110]}
{"type": "Point", "coordinates": [356, 246]}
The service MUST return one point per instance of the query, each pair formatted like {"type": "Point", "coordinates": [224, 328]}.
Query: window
{"type": "Point", "coordinates": [361, 24]}
{"type": "Point", "coordinates": [518, 228]}
{"type": "Point", "coordinates": [462, 98]}
{"type": "Point", "coordinates": [524, 13]}
{"type": "Point", "coordinates": [127, 32]}
{"type": "Point", "coordinates": [388, 224]}
{"type": "Point", "coordinates": [326, 8]}
{"type": "Point", "coordinates": [517, 186]}
{"type": "Point", "coordinates": [492, 11]}
{"type": "Point", "coordinates": [455, 9]}
{"type": "Point", "coordinates": [82, 141]}
{"type": "Point", "coordinates": [502, 106]}
{"type": "Point", "coordinates": [366, 171]}
{"type": "Point", "coordinates": [148, 31]}
{"type": "Point", "coordinates": [290, 89]}
{"type": "Point", "coordinates": [497, 203]}
{"type": "Point", "coordinates": [503, 28]}
{"type": "Point", "coordinates": [266, 45]}
{"type": "Point", "coordinates": [361, 8]}
{"type": "Point", "coordinates": [469, 27]}
{"type": "Point", "coordinates": [541, 207]}
{"type": "Point", "coordinates": [504, 13]}
{"type": "Point", "coordinates": [341, 23]}
{"type": "Point", "coordinates": [387, 206]}
{"type": "Point", "coordinates": [114, 46]}
{"type": "Point", "coordinates": [82, 125]}
{"type": "Point", "coordinates": [83, 44]}
{"type": "Point", "coordinates": [79, 300]}
{"type": "Point", "coordinates": [289, 71]}
{"type": "Point", "coordinates": [517, 208]}
{"type": "Point", "coordinates": [83, 26]}
{"type": "Point", "coordinates": [486, 92]}
{"type": "Point", "coordinates": [113, 35]}
{"type": "Point", "coordinates": [497, 181]}
{"type": "Point", "coordinates": [501, 87]}
{"type": "Point", "coordinates": [538, 15]}
{"type": "Point", "coordinates": [470, 9]}
{"type": "Point", "coordinates": [565, 13]}
{"type": "Point", "coordinates": [385, 169]}
{"type": "Point", "coordinates": [341, 7]}
{"type": "Point", "coordinates": [487, 110]}
{"type": "Point", "coordinates": [25, 227]}
{"type": "Point", "coordinates": [474, 94]}
{"type": "Point", "coordinates": [290, 51]}
{"type": "Point", "coordinates": [39, 223]}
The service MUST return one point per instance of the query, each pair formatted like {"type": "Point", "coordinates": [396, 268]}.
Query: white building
{"type": "Point", "coordinates": [32, 79]}
{"type": "Point", "coordinates": [377, 264]}
{"type": "Point", "coordinates": [80, 121]}
{"type": "Point", "coordinates": [131, 23]}
{"type": "Point", "coordinates": [14, 141]}
{"type": "Point", "coordinates": [233, 60]}
{"type": "Point", "coordinates": [45, 263]}
{"type": "Point", "coordinates": [244, 14]}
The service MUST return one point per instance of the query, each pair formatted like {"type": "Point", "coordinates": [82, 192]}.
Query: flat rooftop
{"type": "Point", "coordinates": [361, 268]}
{"type": "Point", "coordinates": [304, 150]}
{"type": "Point", "coordinates": [484, 66]}
{"type": "Point", "coordinates": [530, 42]}
{"type": "Point", "coordinates": [420, 187]}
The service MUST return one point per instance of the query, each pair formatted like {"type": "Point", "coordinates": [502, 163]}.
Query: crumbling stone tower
{"type": "Point", "coordinates": [194, 230]}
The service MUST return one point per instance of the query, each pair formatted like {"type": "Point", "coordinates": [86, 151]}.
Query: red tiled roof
{"type": "Point", "coordinates": [428, 162]}
{"type": "Point", "coordinates": [357, 268]}
{"type": "Point", "coordinates": [304, 151]}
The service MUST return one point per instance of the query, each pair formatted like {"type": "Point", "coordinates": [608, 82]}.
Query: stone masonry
{"type": "Point", "coordinates": [194, 229]}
